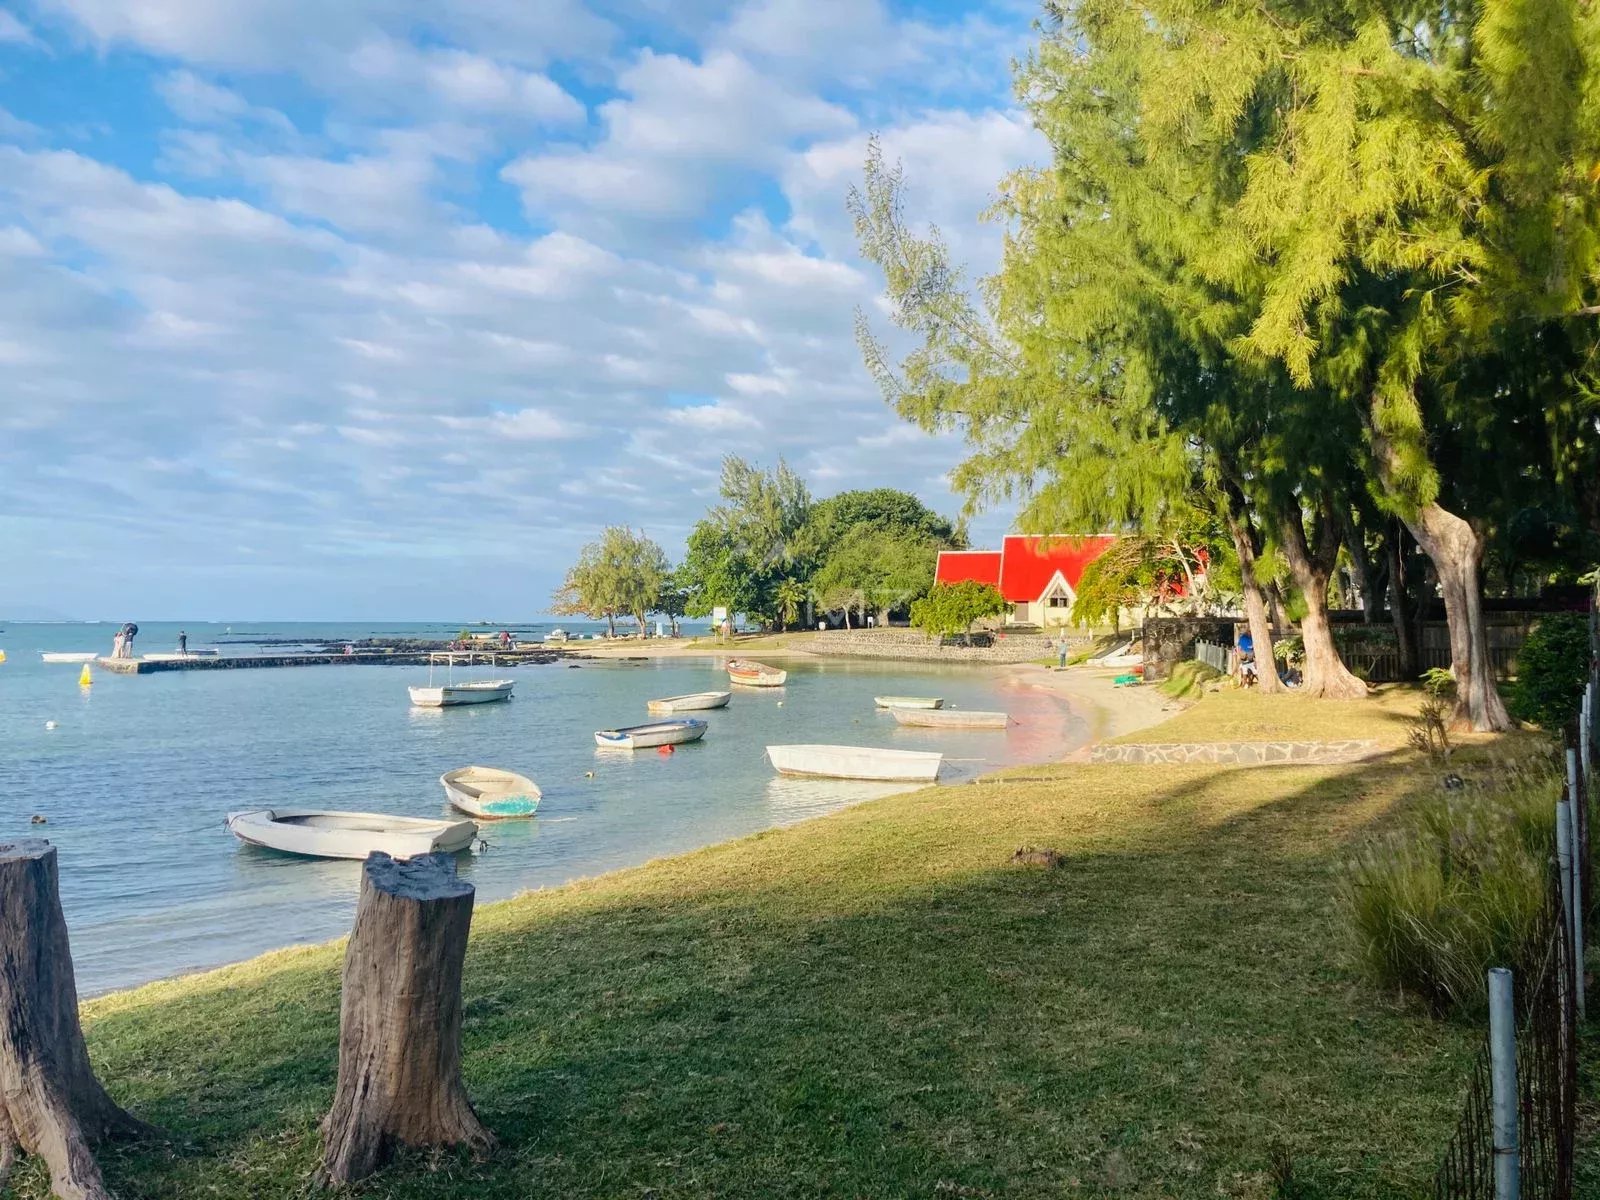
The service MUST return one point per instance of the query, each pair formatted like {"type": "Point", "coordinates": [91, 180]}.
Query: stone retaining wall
{"type": "Point", "coordinates": [1234, 754]}
{"type": "Point", "coordinates": [910, 644]}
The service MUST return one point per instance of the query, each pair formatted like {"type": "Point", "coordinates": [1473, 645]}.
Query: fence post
{"type": "Point", "coordinates": [1566, 859]}
{"type": "Point", "coordinates": [1503, 1098]}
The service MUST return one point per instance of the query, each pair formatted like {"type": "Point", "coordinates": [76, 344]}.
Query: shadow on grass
{"type": "Point", "coordinates": [877, 1004]}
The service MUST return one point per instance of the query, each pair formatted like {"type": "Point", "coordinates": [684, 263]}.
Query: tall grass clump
{"type": "Point", "coordinates": [1189, 679]}
{"type": "Point", "coordinates": [1461, 889]}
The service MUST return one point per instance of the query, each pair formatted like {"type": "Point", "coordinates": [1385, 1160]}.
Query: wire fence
{"type": "Point", "coordinates": [1528, 1151]}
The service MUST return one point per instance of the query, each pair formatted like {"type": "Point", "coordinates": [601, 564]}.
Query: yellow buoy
{"type": "Point", "coordinates": [84, 678]}
{"type": "Point", "coordinates": [2, 656]}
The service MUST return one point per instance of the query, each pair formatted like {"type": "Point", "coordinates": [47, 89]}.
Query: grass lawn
{"type": "Point", "coordinates": [877, 1004]}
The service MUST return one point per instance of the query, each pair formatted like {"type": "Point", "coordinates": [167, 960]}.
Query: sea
{"type": "Point", "coordinates": [134, 775]}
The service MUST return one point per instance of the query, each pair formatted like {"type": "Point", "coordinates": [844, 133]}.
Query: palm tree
{"type": "Point", "coordinates": [790, 596]}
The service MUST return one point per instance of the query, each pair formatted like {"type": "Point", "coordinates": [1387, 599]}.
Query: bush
{"type": "Point", "coordinates": [1550, 670]}
{"type": "Point", "coordinates": [1435, 906]}
{"type": "Point", "coordinates": [1430, 731]}
{"type": "Point", "coordinates": [1188, 680]}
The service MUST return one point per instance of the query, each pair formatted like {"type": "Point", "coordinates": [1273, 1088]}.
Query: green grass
{"type": "Point", "coordinates": [877, 1004]}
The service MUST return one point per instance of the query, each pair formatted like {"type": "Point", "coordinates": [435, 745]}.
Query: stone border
{"type": "Point", "coordinates": [1234, 754]}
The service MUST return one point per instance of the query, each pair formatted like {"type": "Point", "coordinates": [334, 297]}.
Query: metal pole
{"type": "Point", "coordinates": [1572, 872]}
{"type": "Point", "coordinates": [1569, 901]}
{"type": "Point", "coordinates": [1503, 1099]}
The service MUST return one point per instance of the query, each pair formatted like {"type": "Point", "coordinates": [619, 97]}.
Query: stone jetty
{"type": "Point", "coordinates": [406, 658]}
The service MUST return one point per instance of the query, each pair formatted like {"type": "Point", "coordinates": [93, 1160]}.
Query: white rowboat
{"type": "Point", "coordinates": [693, 702]}
{"type": "Point", "coordinates": [491, 794]}
{"type": "Point", "coordinates": [909, 701]}
{"type": "Point", "coordinates": [319, 833]}
{"type": "Point", "coordinates": [754, 674]}
{"type": "Point", "coordinates": [643, 737]}
{"type": "Point", "coordinates": [951, 718]}
{"type": "Point", "coordinates": [60, 656]}
{"type": "Point", "coordinates": [856, 762]}
{"type": "Point", "coordinates": [480, 692]}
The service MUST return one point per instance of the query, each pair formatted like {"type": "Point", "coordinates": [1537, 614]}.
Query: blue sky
{"type": "Point", "coordinates": [317, 310]}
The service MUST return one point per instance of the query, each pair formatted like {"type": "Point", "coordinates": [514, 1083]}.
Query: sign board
{"type": "Point", "coordinates": [719, 614]}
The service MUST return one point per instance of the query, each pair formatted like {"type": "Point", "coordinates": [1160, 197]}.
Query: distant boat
{"type": "Point", "coordinates": [754, 674]}
{"type": "Point", "coordinates": [319, 833]}
{"type": "Point", "coordinates": [556, 635]}
{"type": "Point", "coordinates": [909, 701]}
{"type": "Point", "coordinates": [951, 718]}
{"type": "Point", "coordinates": [856, 762]}
{"type": "Point", "coordinates": [693, 702]}
{"type": "Point", "coordinates": [481, 691]}
{"type": "Point", "coordinates": [491, 794]}
{"type": "Point", "coordinates": [64, 656]}
{"type": "Point", "coordinates": [643, 737]}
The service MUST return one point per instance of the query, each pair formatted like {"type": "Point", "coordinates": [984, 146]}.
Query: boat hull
{"type": "Point", "coordinates": [646, 737]}
{"type": "Point", "coordinates": [58, 656]}
{"type": "Point", "coordinates": [696, 702]}
{"type": "Point", "coordinates": [452, 695]}
{"type": "Point", "coordinates": [488, 794]}
{"type": "Point", "coordinates": [317, 833]}
{"type": "Point", "coordinates": [754, 674]}
{"type": "Point", "coordinates": [909, 701]}
{"type": "Point", "coordinates": [856, 762]}
{"type": "Point", "coordinates": [950, 718]}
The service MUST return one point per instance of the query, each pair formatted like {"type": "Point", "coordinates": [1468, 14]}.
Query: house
{"type": "Point", "coordinates": [1037, 575]}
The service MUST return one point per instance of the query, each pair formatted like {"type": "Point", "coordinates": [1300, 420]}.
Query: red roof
{"type": "Point", "coordinates": [1028, 563]}
{"type": "Point", "coordinates": [958, 566]}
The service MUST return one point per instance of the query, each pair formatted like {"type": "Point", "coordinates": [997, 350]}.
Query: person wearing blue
{"type": "Point", "coordinates": [1245, 649]}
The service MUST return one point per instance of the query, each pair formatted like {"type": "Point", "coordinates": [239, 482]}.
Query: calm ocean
{"type": "Point", "coordinates": [139, 772]}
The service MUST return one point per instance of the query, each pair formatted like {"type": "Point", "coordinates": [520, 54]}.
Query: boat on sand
{"type": "Point", "coordinates": [951, 718]}
{"type": "Point", "coordinates": [489, 793]}
{"type": "Point", "coordinates": [909, 701]}
{"type": "Point", "coordinates": [321, 833]}
{"type": "Point", "coordinates": [644, 737]}
{"type": "Point", "coordinates": [693, 702]}
{"type": "Point", "coordinates": [753, 674]}
{"type": "Point", "coordinates": [856, 762]}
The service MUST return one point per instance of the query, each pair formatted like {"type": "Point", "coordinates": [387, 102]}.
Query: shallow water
{"type": "Point", "coordinates": [140, 771]}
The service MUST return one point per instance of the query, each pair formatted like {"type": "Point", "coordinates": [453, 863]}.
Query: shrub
{"type": "Point", "coordinates": [1463, 889]}
{"type": "Point", "coordinates": [1550, 670]}
{"type": "Point", "coordinates": [1189, 679]}
{"type": "Point", "coordinates": [1430, 732]}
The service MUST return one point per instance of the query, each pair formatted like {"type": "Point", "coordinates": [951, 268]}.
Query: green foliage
{"type": "Point", "coordinates": [1430, 731]}
{"type": "Point", "coordinates": [742, 549]}
{"type": "Point", "coordinates": [880, 569]}
{"type": "Point", "coordinates": [1189, 679]}
{"type": "Point", "coordinates": [1551, 670]}
{"type": "Point", "coordinates": [789, 597]}
{"type": "Point", "coordinates": [1434, 906]}
{"type": "Point", "coordinates": [622, 573]}
{"type": "Point", "coordinates": [952, 608]}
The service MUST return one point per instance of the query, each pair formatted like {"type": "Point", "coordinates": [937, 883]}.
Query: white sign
{"type": "Point", "coordinates": [719, 614]}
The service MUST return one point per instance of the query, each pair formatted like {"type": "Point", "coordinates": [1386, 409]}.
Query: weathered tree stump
{"type": "Point", "coordinates": [400, 1020]}
{"type": "Point", "coordinates": [51, 1104]}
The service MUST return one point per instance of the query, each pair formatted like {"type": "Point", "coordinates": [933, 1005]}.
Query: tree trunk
{"type": "Point", "coordinates": [1400, 610]}
{"type": "Point", "coordinates": [1361, 570]}
{"type": "Point", "coordinates": [1255, 602]}
{"type": "Point", "coordinates": [51, 1104]}
{"type": "Point", "coordinates": [400, 1020]}
{"type": "Point", "coordinates": [1456, 550]}
{"type": "Point", "coordinates": [1326, 676]}
{"type": "Point", "coordinates": [1280, 614]}
{"type": "Point", "coordinates": [611, 625]}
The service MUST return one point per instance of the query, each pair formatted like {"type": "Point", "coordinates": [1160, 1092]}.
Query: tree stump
{"type": "Point", "coordinates": [51, 1104]}
{"type": "Point", "coordinates": [400, 1020]}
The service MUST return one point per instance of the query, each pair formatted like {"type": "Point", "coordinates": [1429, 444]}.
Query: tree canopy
{"type": "Point", "coordinates": [621, 574]}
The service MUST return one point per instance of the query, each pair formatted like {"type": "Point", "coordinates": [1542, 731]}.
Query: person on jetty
{"type": "Point", "coordinates": [129, 632]}
{"type": "Point", "coordinates": [183, 642]}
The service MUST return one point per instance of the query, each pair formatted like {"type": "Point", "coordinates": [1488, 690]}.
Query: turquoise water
{"type": "Point", "coordinates": [139, 772]}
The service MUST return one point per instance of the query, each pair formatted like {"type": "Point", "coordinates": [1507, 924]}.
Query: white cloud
{"type": "Point", "coordinates": [199, 102]}
{"type": "Point", "coordinates": [15, 32]}
{"type": "Point", "coordinates": [14, 129]}
{"type": "Point", "coordinates": [407, 77]}
{"type": "Point", "coordinates": [711, 418]}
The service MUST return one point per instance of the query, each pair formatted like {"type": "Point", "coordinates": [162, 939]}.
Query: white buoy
{"type": "Point", "coordinates": [49, 724]}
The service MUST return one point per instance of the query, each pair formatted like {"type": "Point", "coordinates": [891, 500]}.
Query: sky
{"type": "Point", "coordinates": [377, 309]}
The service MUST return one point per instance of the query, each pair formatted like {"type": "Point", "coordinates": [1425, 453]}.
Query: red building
{"type": "Point", "coordinates": [1037, 575]}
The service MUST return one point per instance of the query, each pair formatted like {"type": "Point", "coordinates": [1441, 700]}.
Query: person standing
{"type": "Point", "coordinates": [1061, 653]}
{"type": "Point", "coordinates": [117, 640]}
{"type": "Point", "coordinates": [183, 642]}
{"type": "Point", "coordinates": [129, 632]}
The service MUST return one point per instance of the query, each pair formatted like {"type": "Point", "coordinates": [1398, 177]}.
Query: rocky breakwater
{"type": "Point", "coordinates": [910, 644]}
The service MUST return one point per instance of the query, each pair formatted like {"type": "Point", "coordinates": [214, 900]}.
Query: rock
{"type": "Point", "coordinates": [37, 820]}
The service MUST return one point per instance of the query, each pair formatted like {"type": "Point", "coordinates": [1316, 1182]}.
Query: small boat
{"type": "Point", "coordinates": [556, 635]}
{"type": "Point", "coordinates": [856, 762]}
{"type": "Point", "coordinates": [693, 702]}
{"type": "Point", "coordinates": [754, 674]}
{"type": "Point", "coordinates": [643, 737]}
{"type": "Point", "coordinates": [491, 794]}
{"type": "Point", "coordinates": [951, 718]}
{"type": "Point", "coordinates": [481, 691]}
{"type": "Point", "coordinates": [61, 656]}
{"type": "Point", "coordinates": [319, 833]}
{"type": "Point", "coordinates": [909, 701]}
